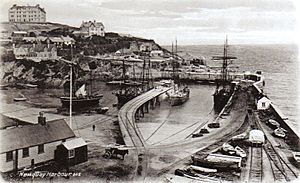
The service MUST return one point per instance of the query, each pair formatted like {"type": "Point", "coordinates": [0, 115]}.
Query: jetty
{"type": "Point", "coordinates": [135, 109]}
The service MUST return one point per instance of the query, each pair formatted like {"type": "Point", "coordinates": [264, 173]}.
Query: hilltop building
{"type": "Point", "coordinates": [26, 14]}
{"type": "Point", "coordinates": [91, 28]}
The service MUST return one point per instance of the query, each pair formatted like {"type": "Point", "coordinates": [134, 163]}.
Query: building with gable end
{"type": "Point", "coordinates": [32, 144]}
{"type": "Point", "coordinates": [92, 28]}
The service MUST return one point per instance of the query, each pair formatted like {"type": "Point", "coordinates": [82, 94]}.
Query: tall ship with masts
{"type": "Point", "coordinates": [224, 89]}
{"type": "Point", "coordinates": [80, 99]}
{"type": "Point", "coordinates": [131, 87]}
{"type": "Point", "coordinates": [180, 93]}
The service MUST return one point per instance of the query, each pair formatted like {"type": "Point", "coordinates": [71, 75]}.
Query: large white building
{"type": "Point", "coordinates": [26, 14]}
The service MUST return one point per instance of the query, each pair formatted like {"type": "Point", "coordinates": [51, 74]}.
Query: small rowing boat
{"type": "Point", "coordinates": [203, 169]}
{"type": "Point", "coordinates": [280, 132]}
{"type": "Point", "coordinates": [240, 152]}
{"type": "Point", "coordinates": [20, 99]}
{"type": "Point", "coordinates": [228, 148]}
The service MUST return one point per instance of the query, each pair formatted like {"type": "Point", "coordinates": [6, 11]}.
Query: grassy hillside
{"type": "Point", "coordinates": [32, 26]}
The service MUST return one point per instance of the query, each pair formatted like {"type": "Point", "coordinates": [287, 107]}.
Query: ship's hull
{"type": "Point", "coordinates": [81, 103]}
{"type": "Point", "coordinates": [221, 97]}
{"type": "Point", "coordinates": [124, 98]}
{"type": "Point", "coordinates": [179, 100]}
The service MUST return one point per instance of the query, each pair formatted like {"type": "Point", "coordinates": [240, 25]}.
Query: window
{"type": "Point", "coordinates": [263, 104]}
{"type": "Point", "coordinates": [25, 152]}
{"type": "Point", "coordinates": [41, 149]}
{"type": "Point", "coordinates": [71, 153]}
{"type": "Point", "coordinates": [9, 156]}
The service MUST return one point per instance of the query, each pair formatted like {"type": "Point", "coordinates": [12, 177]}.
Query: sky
{"type": "Point", "coordinates": [191, 22]}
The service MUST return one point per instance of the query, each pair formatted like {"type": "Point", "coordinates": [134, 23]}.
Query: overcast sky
{"type": "Point", "coordinates": [191, 21]}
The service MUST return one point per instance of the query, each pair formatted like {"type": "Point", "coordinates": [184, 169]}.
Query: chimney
{"type": "Point", "coordinates": [41, 119]}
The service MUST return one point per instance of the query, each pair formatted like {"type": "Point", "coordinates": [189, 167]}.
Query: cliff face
{"type": "Point", "coordinates": [54, 73]}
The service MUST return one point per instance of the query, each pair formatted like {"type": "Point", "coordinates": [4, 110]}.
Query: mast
{"type": "Point", "coordinates": [225, 59]}
{"type": "Point", "coordinates": [71, 85]}
{"type": "Point", "coordinates": [173, 67]}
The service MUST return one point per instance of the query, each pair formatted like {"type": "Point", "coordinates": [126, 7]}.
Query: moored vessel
{"type": "Point", "coordinates": [224, 88]}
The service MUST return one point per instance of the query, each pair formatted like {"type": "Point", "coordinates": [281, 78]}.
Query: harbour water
{"type": "Point", "coordinates": [166, 124]}
{"type": "Point", "coordinates": [277, 62]}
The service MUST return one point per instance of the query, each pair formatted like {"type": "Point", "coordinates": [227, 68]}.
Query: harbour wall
{"type": "Point", "coordinates": [282, 119]}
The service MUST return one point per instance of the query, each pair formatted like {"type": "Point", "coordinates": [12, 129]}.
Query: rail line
{"type": "Point", "coordinates": [128, 112]}
{"type": "Point", "coordinates": [256, 165]}
{"type": "Point", "coordinates": [281, 170]}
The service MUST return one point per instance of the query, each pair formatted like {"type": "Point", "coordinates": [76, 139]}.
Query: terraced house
{"type": "Point", "coordinates": [36, 52]}
{"type": "Point", "coordinates": [26, 14]}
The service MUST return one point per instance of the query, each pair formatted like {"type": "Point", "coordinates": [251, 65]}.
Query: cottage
{"type": "Point", "coordinates": [145, 46]}
{"type": "Point", "coordinates": [263, 103]}
{"type": "Point", "coordinates": [36, 52]}
{"type": "Point", "coordinates": [92, 28]}
{"type": "Point", "coordinates": [32, 144]}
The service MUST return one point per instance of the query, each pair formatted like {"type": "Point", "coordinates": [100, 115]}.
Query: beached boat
{"type": "Point", "coordinates": [228, 148]}
{"type": "Point", "coordinates": [203, 169]}
{"type": "Point", "coordinates": [280, 132]}
{"type": "Point", "coordinates": [240, 152]}
{"type": "Point", "coordinates": [19, 99]}
{"type": "Point", "coordinates": [81, 100]}
{"type": "Point", "coordinates": [273, 123]}
{"type": "Point", "coordinates": [296, 156]}
{"type": "Point", "coordinates": [102, 110]}
{"type": "Point", "coordinates": [241, 136]}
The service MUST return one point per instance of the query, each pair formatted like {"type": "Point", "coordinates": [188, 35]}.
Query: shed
{"type": "Point", "coordinates": [71, 152]}
{"type": "Point", "coordinates": [256, 137]}
{"type": "Point", "coordinates": [263, 103]}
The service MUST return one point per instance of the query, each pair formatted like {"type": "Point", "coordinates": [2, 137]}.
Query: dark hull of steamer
{"type": "Point", "coordinates": [221, 97]}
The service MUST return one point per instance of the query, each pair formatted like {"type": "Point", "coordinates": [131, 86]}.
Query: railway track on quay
{"type": "Point", "coordinates": [256, 165]}
{"type": "Point", "coordinates": [127, 118]}
{"type": "Point", "coordinates": [281, 169]}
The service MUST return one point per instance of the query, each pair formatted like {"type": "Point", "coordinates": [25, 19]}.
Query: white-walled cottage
{"type": "Point", "coordinates": [32, 144]}
{"type": "Point", "coordinates": [263, 103]}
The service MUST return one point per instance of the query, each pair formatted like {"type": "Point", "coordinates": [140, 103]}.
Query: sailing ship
{"type": "Point", "coordinates": [130, 88]}
{"type": "Point", "coordinates": [80, 100]}
{"type": "Point", "coordinates": [177, 95]}
{"type": "Point", "coordinates": [224, 89]}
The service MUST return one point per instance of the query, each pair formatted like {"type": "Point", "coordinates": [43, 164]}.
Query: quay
{"type": "Point", "coordinates": [135, 109]}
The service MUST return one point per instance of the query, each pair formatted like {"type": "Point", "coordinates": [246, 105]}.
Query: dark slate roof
{"type": "Point", "coordinates": [24, 7]}
{"type": "Point", "coordinates": [6, 122]}
{"type": "Point", "coordinates": [90, 23]}
{"type": "Point", "coordinates": [37, 47]}
{"type": "Point", "coordinates": [33, 135]}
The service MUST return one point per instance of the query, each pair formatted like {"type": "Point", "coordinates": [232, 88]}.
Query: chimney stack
{"type": "Point", "coordinates": [41, 119]}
